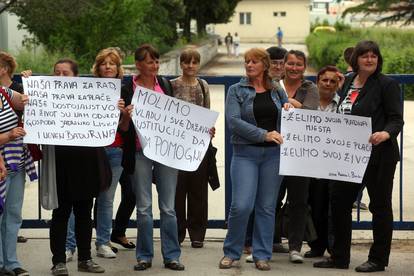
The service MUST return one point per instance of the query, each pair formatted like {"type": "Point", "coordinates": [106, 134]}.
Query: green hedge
{"type": "Point", "coordinates": [396, 47]}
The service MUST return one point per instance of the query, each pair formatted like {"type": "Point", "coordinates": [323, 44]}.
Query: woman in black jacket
{"type": "Point", "coordinates": [368, 93]}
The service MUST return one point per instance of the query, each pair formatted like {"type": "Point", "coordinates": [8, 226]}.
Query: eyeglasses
{"type": "Point", "coordinates": [278, 62]}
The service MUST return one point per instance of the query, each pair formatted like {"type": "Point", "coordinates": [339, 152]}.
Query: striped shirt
{"type": "Point", "coordinates": [8, 118]}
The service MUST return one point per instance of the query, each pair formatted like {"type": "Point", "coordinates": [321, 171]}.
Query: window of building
{"type": "Point", "coordinates": [279, 13]}
{"type": "Point", "coordinates": [245, 18]}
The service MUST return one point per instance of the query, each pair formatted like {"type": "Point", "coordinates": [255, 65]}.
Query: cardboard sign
{"type": "Point", "coordinates": [171, 131]}
{"type": "Point", "coordinates": [325, 145]}
{"type": "Point", "coordinates": [71, 111]}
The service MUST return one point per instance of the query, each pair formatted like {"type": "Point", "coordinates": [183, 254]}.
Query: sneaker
{"type": "Point", "coordinates": [295, 257]}
{"type": "Point", "coordinates": [18, 271]}
{"type": "Point", "coordinates": [69, 255]}
{"type": "Point", "coordinates": [105, 251]}
{"type": "Point", "coordinates": [249, 259]}
{"type": "Point", "coordinates": [279, 248]}
{"type": "Point", "coordinates": [90, 266]}
{"type": "Point", "coordinates": [6, 272]}
{"type": "Point", "coordinates": [362, 206]}
{"type": "Point", "coordinates": [60, 270]}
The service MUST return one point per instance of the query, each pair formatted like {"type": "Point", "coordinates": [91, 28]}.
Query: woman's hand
{"type": "Point", "coordinates": [19, 100]}
{"type": "Point", "coordinates": [212, 132]}
{"type": "Point", "coordinates": [129, 110]}
{"type": "Point", "coordinates": [287, 106]}
{"type": "Point", "coordinates": [274, 136]}
{"type": "Point", "coordinates": [3, 170]}
{"type": "Point", "coordinates": [26, 73]}
{"type": "Point", "coordinates": [341, 79]}
{"type": "Point", "coordinates": [379, 137]}
{"type": "Point", "coordinates": [295, 103]}
{"type": "Point", "coordinates": [121, 104]}
{"type": "Point", "coordinates": [16, 133]}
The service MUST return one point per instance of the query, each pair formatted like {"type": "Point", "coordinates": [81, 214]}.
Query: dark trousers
{"type": "Point", "coordinates": [193, 188]}
{"type": "Point", "coordinates": [378, 179]}
{"type": "Point", "coordinates": [320, 208]}
{"type": "Point", "coordinates": [297, 198]}
{"type": "Point", "coordinates": [126, 206]}
{"type": "Point", "coordinates": [83, 229]}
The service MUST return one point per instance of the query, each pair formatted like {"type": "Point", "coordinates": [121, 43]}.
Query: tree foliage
{"type": "Point", "coordinates": [83, 27]}
{"type": "Point", "coordinates": [207, 12]}
{"type": "Point", "coordinates": [393, 11]}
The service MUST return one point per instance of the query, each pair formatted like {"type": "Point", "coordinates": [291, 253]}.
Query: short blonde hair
{"type": "Point", "coordinates": [7, 61]}
{"type": "Point", "coordinates": [114, 55]}
{"type": "Point", "coordinates": [262, 55]}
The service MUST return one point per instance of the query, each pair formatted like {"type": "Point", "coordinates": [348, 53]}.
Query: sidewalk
{"type": "Point", "coordinates": [36, 258]}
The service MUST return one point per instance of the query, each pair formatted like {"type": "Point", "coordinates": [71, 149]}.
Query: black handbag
{"type": "Point", "coordinates": [212, 173]}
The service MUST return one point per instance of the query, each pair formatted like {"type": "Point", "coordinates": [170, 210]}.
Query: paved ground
{"type": "Point", "coordinates": [35, 255]}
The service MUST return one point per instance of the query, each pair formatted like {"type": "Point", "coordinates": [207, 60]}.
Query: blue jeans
{"type": "Point", "coordinates": [105, 199]}
{"type": "Point", "coordinates": [70, 236]}
{"type": "Point", "coordinates": [11, 219]}
{"type": "Point", "coordinates": [255, 184]}
{"type": "Point", "coordinates": [166, 182]}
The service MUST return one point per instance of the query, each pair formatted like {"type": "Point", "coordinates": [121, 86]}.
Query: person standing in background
{"type": "Point", "coordinates": [279, 35]}
{"type": "Point", "coordinates": [228, 40]}
{"type": "Point", "coordinates": [192, 187]}
{"type": "Point", "coordinates": [236, 44]}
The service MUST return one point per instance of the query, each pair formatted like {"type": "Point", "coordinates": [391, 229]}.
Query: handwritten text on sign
{"type": "Point", "coordinates": [325, 145]}
{"type": "Point", "coordinates": [172, 132]}
{"type": "Point", "coordinates": [71, 111]}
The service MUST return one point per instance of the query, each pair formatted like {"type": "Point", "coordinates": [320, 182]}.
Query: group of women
{"type": "Point", "coordinates": [253, 110]}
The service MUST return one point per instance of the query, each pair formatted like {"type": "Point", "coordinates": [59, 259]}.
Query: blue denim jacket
{"type": "Point", "coordinates": [240, 116]}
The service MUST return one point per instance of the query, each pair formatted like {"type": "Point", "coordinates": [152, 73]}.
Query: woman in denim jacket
{"type": "Point", "coordinates": [253, 110]}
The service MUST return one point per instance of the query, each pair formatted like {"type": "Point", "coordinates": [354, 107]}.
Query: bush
{"type": "Point", "coordinates": [327, 48]}
{"type": "Point", "coordinates": [39, 61]}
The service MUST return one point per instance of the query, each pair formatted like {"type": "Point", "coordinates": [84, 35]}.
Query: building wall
{"type": "Point", "coordinates": [10, 36]}
{"type": "Point", "coordinates": [295, 25]}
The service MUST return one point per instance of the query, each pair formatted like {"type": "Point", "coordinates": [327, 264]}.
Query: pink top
{"type": "Point", "coordinates": [157, 88]}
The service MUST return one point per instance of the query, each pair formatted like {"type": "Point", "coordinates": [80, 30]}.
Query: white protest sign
{"type": "Point", "coordinates": [324, 145]}
{"type": "Point", "coordinates": [171, 131]}
{"type": "Point", "coordinates": [71, 111]}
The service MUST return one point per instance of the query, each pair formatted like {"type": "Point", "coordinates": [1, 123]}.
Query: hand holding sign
{"type": "Point", "coordinates": [171, 131]}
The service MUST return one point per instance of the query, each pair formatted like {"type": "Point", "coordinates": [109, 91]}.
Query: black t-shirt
{"type": "Point", "coordinates": [265, 113]}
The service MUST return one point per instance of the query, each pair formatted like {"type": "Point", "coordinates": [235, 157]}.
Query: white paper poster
{"type": "Point", "coordinates": [171, 131]}
{"type": "Point", "coordinates": [324, 145]}
{"type": "Point", "coordinates": [71, 111]}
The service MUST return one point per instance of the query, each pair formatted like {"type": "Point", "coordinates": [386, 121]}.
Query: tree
{"type": "Point", "coordinates": [395, 11]}
{"type": "Point", "coordinates": [6, 4]}
{"type": "Point", "coordinates": [83, 27]}
{"type": "Point", "coordinates": [207, 12]}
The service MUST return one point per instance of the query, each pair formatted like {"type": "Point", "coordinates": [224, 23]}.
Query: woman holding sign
{"type": "Point", "coordinates": [253, 110]}
{"type": "Point", "coordinates": [301, 94]}
{"type": "Point", "coordinates": [192, 186]}
{"type": "Point", "coordinates": [78, 181]}
{"type": "Point", "coordinates": [147, 63]}
{"type": "Point", "coordinates": [368, 93]}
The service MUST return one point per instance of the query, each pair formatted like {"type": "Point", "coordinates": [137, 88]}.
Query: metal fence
{"type": "Point", "coordinates": [227, 81]}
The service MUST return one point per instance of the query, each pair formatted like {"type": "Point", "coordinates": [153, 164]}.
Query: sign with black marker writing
{"type": "Point", "coordinates": [171, 131]}
{"type": "Point", "coordinates": [324, 145]}
{"type": "Point", "coordinates": [71, 111]}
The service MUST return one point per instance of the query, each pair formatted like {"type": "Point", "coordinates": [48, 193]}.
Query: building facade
{"type": "Point", "coordinates": [11, 37]}
{"type": "Point", "coordinates": [258, 20]}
